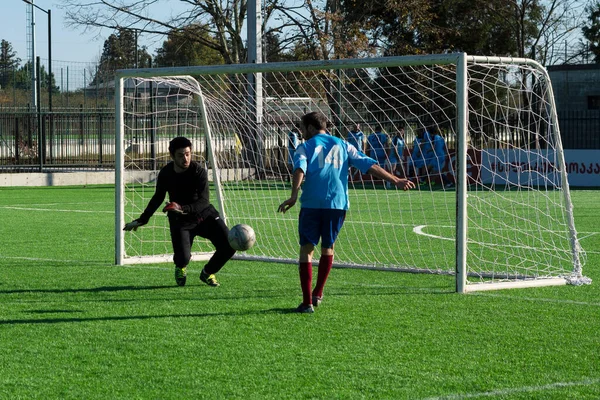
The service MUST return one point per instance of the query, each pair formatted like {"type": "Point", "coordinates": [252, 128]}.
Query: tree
{"type": "Point", "coordinates": [544, 27]}
{"type": "Point", "coordinates": [8, 63]}
{"type": "Point", "coordinates": [23, 78]}
{"type": "Point", "coordinates": [591, 31]}
{"type": "Point", "coordinates": [182, 48]}
{"type": "Point", "coordinates": [120, 51]}
{"type": "Point", "coordinates": [220, 20]}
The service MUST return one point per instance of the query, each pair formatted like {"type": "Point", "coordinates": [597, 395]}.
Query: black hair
{"type": "Point", "coordinates": [315, 119]}
{"type": "Point", "coordinates": [179, 142]}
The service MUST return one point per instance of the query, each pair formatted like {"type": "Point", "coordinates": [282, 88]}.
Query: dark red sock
{"type": "Point", "coordinates": [325, 263]}
{"type": "Point", "coordinates": [305, 269]}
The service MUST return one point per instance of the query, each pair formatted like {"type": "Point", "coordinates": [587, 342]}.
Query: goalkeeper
{"type": "Point", "coordinates": [322, 161]}
{"type": "Point", "coordinates": [189, 211]}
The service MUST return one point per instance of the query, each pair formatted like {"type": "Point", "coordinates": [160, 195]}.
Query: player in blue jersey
{"type": "Point", "coordinates": [437, 161]}
{"type": "Point", "coordinates": [397, 151]}
{"type": "Point", "coordinates": [422, 152]}
{"type": "Point", "coordinates": [356, 138]}
{"type": "Point", "coordinates": [293, 143]}
{"type": "Point", "coordinates": [378, 144]}
{"type": "Point", "coordinates": [322, 161]}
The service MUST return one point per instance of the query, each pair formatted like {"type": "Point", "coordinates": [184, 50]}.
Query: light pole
{"type": "Point", "coordinates": [49, 13]}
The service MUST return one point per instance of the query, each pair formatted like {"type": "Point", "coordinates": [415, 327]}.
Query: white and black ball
{"type": "Point", "coordinates": [241, 237]}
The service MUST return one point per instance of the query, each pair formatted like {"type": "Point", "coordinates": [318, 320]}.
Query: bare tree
{"type": "Point", "coordinates": [545, 29]}
{"type": "Point", "coordinates": [222, 20]}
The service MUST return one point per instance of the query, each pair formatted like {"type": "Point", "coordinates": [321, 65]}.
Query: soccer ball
{"type": "Point", "coordinates": [242, 237]}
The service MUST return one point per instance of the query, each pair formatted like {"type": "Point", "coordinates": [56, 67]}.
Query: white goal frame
{"type": "Point", "coordinates": [460, 60]}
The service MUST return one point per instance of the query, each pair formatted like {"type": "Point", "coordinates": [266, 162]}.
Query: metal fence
{"type": "Point", "coordinates": [44, 142]}
{"type": "Point", "coordinates": [80, 139]}
{"type": "Point", "coordinates": [580, 129]}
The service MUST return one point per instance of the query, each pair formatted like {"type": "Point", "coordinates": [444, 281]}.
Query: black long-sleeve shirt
{"type": "Point", "coordinates": [189, 189]}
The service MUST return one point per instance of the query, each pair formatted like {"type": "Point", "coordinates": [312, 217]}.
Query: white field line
{"type": "Point", "coordinates": [56, 210]}
{"type": "Point", "coordinates": [420, 230]}
{"type": "Point", "coordinates": [536, 299]}
{"type": "Point", "coordinates": [524, 389]}
{"type": "Point", "coordinates": [83, 262]}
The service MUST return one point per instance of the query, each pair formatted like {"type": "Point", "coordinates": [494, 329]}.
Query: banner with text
{"type": "Point", "coordinates": [534, 168]}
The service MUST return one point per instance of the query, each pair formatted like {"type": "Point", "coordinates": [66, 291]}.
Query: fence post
{"type": "Point", "coordinates": [39, 117]}
{"type": "Point", "coordinates": [17, 134]}
{"type": "Point", "coordinates": [100, 138]}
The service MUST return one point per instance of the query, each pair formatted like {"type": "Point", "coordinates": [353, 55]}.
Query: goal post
{"type": "Point", "coordinates": [492, 207]}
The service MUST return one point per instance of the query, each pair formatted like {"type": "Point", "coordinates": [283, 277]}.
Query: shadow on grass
{"type": "Point", "coordinates": [52, 311]}
{"type": "Point", "coordinates": [88, 290]}
{"type": "Point", "coordinates": [145, 317]}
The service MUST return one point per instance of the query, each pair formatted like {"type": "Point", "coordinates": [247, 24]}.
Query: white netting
{"type": "Point", "coordinates": [519, 222]}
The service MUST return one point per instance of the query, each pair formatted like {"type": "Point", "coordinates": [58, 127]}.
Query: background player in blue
{"type": "Point", "coordinates": [378, 144]}
{"type": "Point", "coordinates": [422, 151]}
{"type": "Point", "coordinates": [397, 151]}
{"type": "Point", "coordinates": [322, 161]}
{"type": "Point", "coordinates": [357, 138]}
{"type": "Point", "coordinates": [437, 162]}
{"type": "Point", "coordinates": [293, 143]}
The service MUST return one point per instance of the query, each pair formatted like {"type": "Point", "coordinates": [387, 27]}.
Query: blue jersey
{"type": "Point", "coordinates": [325, 159]}
{"type": "Point", "coordinates": [378, 142]}
{"type": "Point", "coordinates": [293, 143]}
{"type": "Point", "coordinates": [397, 150]}
{"type": "Point", "coordinates": [357, 139]}
{"type": "Point", "coordinates": [438, 153]}
{"type": "Point", "coordinates": [423, 149]}
{"type": "Point", "coordinates": [439, 147]}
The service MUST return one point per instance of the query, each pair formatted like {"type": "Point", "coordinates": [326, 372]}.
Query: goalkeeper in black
{"type": "Point", "coordinates": [189, 211]}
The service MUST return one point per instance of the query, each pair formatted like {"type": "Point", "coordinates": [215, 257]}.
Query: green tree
{"type": "Point", "coordinates": [121, 51]}
{"type": "Point", "coordinates": [23, 78]}
{"type": "Point", "coordinates": [591, 31]}
{"type": "Point", "coordinates": [183, 48]}
{"type": "Point", "coordinates": [8, 63]}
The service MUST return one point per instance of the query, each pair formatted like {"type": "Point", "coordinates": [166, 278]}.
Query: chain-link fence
{"type": "Point", "coordinates": [73, 85]}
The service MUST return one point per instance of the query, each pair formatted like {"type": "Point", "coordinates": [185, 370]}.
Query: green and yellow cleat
{"type": "Point", "coordinates": [210, 280]}
{"type": "Point", "coordinates": [180, 276]}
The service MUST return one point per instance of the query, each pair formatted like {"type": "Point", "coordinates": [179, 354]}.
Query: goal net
{"type": "Point", "coordinates": [492, 205]}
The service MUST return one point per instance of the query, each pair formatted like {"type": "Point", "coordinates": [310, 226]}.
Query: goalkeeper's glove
{"type": "Point", "coordinates": [173, 207]}
{"type": "Point", "coordinates": [133, 225]}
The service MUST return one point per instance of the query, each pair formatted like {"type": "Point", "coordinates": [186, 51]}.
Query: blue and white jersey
{"type": "Point", "coordinates": [325, 159]}
{"type": "Point", "coordinates": [438, 153]}
{"type": "Point", "coordinates": [423, 149]}
{"type": "Point", "coordinates": [293, 143]}
{"type": "Point", "coordinates": [397, 151]}
{"type": "Point", "coordinates": [356, 139]}
{"type": "Point", "coordinates": [439, 147]}
{"type": "Point", "coordinates": [378, 142]}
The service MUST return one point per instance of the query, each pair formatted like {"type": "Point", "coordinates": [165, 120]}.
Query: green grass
{"type": "Point", "coordinates": [73, 326]}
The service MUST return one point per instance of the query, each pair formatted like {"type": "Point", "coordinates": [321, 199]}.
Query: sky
{"type": "Point", "coordinates": [68, 44]}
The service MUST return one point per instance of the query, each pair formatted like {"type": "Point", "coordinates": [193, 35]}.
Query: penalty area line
{"type": "Point", "coordinates": [535, 299]}
{"type": "Point", "coordinates": [523, 389]}
{"type": "Point", "coordinates": [53, 209]}
{"type": "Point", "coordinates": [82, 262]}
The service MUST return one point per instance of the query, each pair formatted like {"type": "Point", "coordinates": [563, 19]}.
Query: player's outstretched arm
{"type": "Point", "coordinates": [378, 172]}
{"type": "Point", "coordinates": [133, 225]}
{"type": "Point", "coordinates": [296, 182]}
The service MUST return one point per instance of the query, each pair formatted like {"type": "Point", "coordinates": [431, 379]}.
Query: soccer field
{"type": "Point", "coordinates": [74, 326]}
